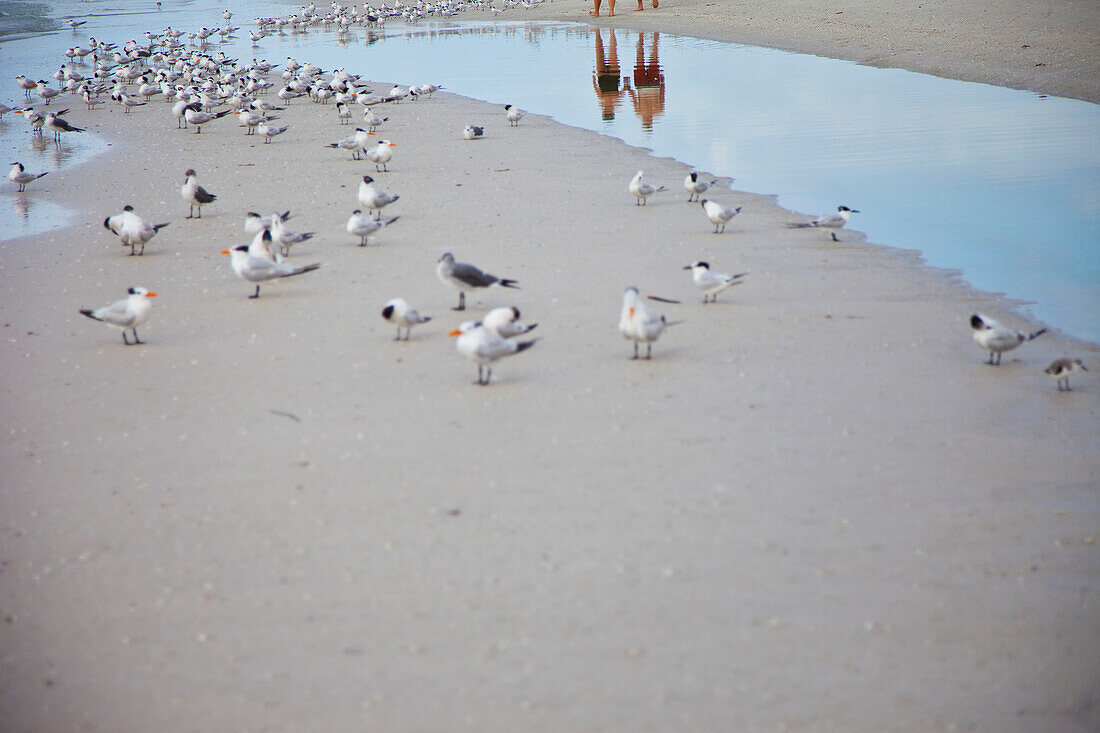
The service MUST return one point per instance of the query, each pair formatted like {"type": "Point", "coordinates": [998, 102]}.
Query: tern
{"type": "Point", "coordinates": [194, 115]}
{"type": "Point", "coordinates": [195, 194]}
{"type": "Point", "coordinates": [401, 314]}
{"type": "Point", "coordinates": [712, 283]}
{"type": "Point", "coordinates": [18, 174]}
{"type": "Point", "coordinates": [363, 225]}
{"type": "Point", "coordinates": [254, 223]}
{"type": "Point", "coordinates": [355, 143]}
{"type": "Point", "coordinates": [828, 221]}
{"type": "Point", "coordinates": [504, 322]}
{"type": "Point", "coordinates": [250, 119]}
{"type": "Point", "coordinates": [381, 154]}
{"type": "Point", "coordinates": [696, 185]}
{"type": "Point", "coordinates": [131, 229]}
{"type": "Point", "coordinates": [74, 24]}
{"type": "Point", "coordinates": [57, 124]}
{"type": "Point", "coordinates": [343, 113]}
{"type": "Point", "coordinates": [263, 246]}
{"type": "Point", "coordinates": [641, 190]}
{"type": "Point", "coordinates": [47, 93]}
{"type": "Point", "coordinates": [513, 115]}
{"type": "Point", "coordinates": [285, 237]}
{"type": "Point", "coordinates": [260, 270]}
{"type": "Point", "coordinates": [463, 277]}
{"type": "Point", "coordinates": [26, 84]}
{"type": "Point", "coordinates": [718, 214]}
{"type": "Point", "coordinates": [473, 132]}
{"type": "Point", "coordinates": [997, 339]}
{"type": "Point", "coordinates": [480, 345]}
{"type": "Point", "coordinates": [125, 314]}
{"type": "Point", "coordinates": [372, 120]}
{"type": "Point", "coordinates": [1060, 369]}
{"type": "Point", "coordinates": [269, 131]}
{"type": "Point", "coordinates": [375, 199]}
{"type": "Point", "coordinates": [639, 324]}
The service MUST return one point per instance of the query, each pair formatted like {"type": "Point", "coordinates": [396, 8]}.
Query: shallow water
{"type": "Point", "coordinates": [1000, 184]}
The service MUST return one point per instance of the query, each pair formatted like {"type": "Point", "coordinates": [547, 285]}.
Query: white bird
{"type": "Point", "coordinates": [504, 322]}
{"type": "Point", "coordinates": [828, 221]}
{"type": "Point", "coordinates": [513, 115]}
{"type": "Point", "coordinates": [47, 93]}
{"type": "Point", "coordinates": [642, 191]}
{"type": "Point", "coordinates": [381, 154]}
{"type": "Point", "coordinates": [473, 132]}
{"type": "Point", "coordinates": [128, 313]}
{"type": "Point", "coordinates": [355, 143]}
{"type": "Point", "coordinates": [997, 339]}
{"type": "Point", "coordinates": [57, 125]}
{"type": "Point", "coordinates": [250, 119]}
{"type": "Point", "coordinates": [712, 283]}
{"type": "Point", "coordinates": [263, 246]}
{"type": "Point", "coordinates": [26, 84]}
{"type": "Point", "coordinates": [718, 214]}
{"type": "Point", "coordinates": [638, 323]}
{"type": "Point", "coordinates": [401, 314]}
{"type": "Point", "coordinates": [372, 120]}
{"type": "Point", "coordinates": [18, 174]}
{"type": "Point", "coordinates": [480, 345]}
{"type": "Point", "coordinates": [254, 223]}
{"type": "Point", "coordinates": [259, 269]}
{"type": "Point", "coordinates": [375, 199]}
{"type": "Point", "coordinates": [343, 113]}
{"type": "Point", "coordinates": [463, 277]}
{"type": "Point", "coordinates": [131, 229]}
{"type": "Point", "coordinates": [195, 116]}
{"type": "Point", "coordinates": [696, 185]}
{"type": "Point", "coordinates": [1060, 369]}
{"type": "Point", "coordinates": [430, 89]}
{"type": "Point", "coordinates": [269, 131]}
{"type": "Point", "coordinates": [285, 237]}
{"type": "Point", "coordinates": [363, 225]}
{"type": "Point", "coordinates": [195, 194]}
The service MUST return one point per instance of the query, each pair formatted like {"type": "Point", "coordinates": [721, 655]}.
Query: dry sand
{"type": "Point", "coordinates": [814, 509]}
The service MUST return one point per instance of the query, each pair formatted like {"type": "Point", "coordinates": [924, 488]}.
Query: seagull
{"type": "Point", "coordinates": [996, 338]}
{"type": "Point", "coordinates": [430, 89]}
{"type": "Point", "coordinates": [400, 313]}
{"type": "Point", "coordinates": [355, 143]}
{"type": "Point", "coordinates": [363, 225]}
{"type": "Point", "coordinates": [270, 131]}
{"type": "Point", "coordinates": [259, 270]}
{"type": "Point", "coordinates": [513, 115]}
{"type": "Point", "coordinates": [284, 237]}
{"type": "Point", "coordinates": [18, 174]}
{"type": "Point", "coordinates": [74, 24]}
{"type": "Point", "coordinates": [250, 119]}
{"type": "Point", "coordinates": [463, 277]}
{"type": "Point", "coordinates": [195, 194]}
{"type": "Point", "coordinates": [638, 323]}
{"type": "Point", "coordinates": [696, 186]}
{"type": "Point", "coordinates": [828, 221]}
{"type": "Point", "coordinates": [504, 322]}
{"type": "Point", "coordinates": [128, 313]}
{"type": "Point", "coordinates": [473, 132]}
{"type": "Point", "coordinates": [642, 191]}
{"type": "Point", "coordinates": [381, 154]}
{"type": "Point", "coordinates": [718, 214]}
{"type": "Point", "coordinates": [254, 223]}
{"type": "Point", "coordinates": [712, 283]}
{"type": "Point", "coordinates": [58, 125]}
{"type": "Point", "coordinates": [194, 115]}
{"type": "Point", "coordinates": [479, 344]}
{"type": "Point", "coordinates": [46, 92]}
{"type": "Point", "coordinates": [372, 120]}
{"type": "Point", "coordinates": [131, 229]}
{"type": "Point", "coordinates": [1060, 369]}
{"type": "Point", "coordinates": [375, 199]}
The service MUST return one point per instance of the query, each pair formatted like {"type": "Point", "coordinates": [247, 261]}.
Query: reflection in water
{"type": "Point", "coordinates": [606, 79]}
{"type": "Point", "coordinates": [648, 91]}
{"type": "Point", "coordinates": [21, 205]}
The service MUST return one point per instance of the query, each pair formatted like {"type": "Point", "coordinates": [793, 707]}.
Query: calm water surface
{"type": "Point", "coordinates": [1001, 184]}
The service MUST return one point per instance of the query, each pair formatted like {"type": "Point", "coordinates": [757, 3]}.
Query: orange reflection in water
{"type": "Point", "coordinates": [646, 88]}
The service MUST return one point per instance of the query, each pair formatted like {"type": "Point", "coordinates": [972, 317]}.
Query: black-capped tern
{"type": "Point", "coordinates": [828, 221]}
{"type": "Point", "coordinates": [131, 229]}
{"type": "Point", "coordinates": [194, 194]}
{"type": "Point", "coordinates": [195, 116]}
{"type": "Point", "coordinates": [463, 277]}
{"type": "Point", "coordinates": [57, 125]}
{"type": "Point", "coordinates": [473, 132]}
{"type": "Point", "coordinates": [18, 174]}
{"type": "Point", "coordinates": [695, 185]}
{"type": "Point", "coordinates": [402, 315]}
{"type": "Point", "coordinates": [1060, 369]}
{"type": "Point", "coordinates": [504, 322]}
{"type": "Point", "coordinates": [513, 115]}
{"type": "Point", "coordinates": [372, 120]}
{"type": "Point", "coordinates": [641, 190]}
{"type": "Point", "coordinates": [718, 214]}
{"type": "Point", "coordinates": [712, 283]}
{"type": "Point", "coordinates": [480, 345]}
{"type": "Point", "coordinates": [125, 314]}
{"type": "Point", "coordinates": [375, 199]}
{"type": "Point", "coordinates": [343, 113]}
{"type": "Point", "coordinates": [639, 324]}
{"type": "Point", "coordinates": [363, 225]}
{"type": "Point", "coordinates": [259, 269]}
{"type": "Point", "coordinates": [355, 143]}
{"type": "Point", "coordinates": [285, 237]}
{"type": "Point", "coordinates": [254, 223]}
{"type": "Point", "coordinates": [381, 154]}
{"type": "Point", "coordinates": [997, 339]}
{"type": "Point", "coordinates": [267, 131]}
{"type": "Point", "coordinates": [250, 120]}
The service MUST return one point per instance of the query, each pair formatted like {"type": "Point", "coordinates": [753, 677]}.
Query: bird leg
{"type": "Point", "coordinates": [834, 237]}
{"type": "Point", "coordinates": [398, 336]}
{"type": "Point", "coordinates": [136, 339]}
{"type": "Point", "coordinates": [124, 339]}
{"type": "Point", "coordinates": [648, 350]}
{"type": "Point", "coordinates": [635, 350]}
{"type": "Point", "coordinates": [256, 294]}
{"type": "Point", "coordinates": [461, 301]}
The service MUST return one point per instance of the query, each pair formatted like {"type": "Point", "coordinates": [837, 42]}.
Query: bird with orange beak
{"type": "Point", "coordinates": [126, 314]}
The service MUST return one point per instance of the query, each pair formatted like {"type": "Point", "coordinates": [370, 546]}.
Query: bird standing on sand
{"type": "Point", "coordinates": [463, 277]}
{"type": "Point", "coordinates": [504, 322]}
{"type": "Point", "coordinates": [1060, 369]}
{"type": "Point", "coordinates": [473, 132]}
{"type": "Point", "coordinates": [375, 199]}
{"type": "Point", "coordinates": [718, 214]}
{"type": "Point", "coordinates": [57, 125]}
{"type": "Point", "coordinates": [381, 154]}
{"type": "Point", "coordinates": [997, 339]}
{"type": "Point", "coordinates": [480, 345]}
{"type": "Point", "coordinates": [513, 115]}
{"type": "Point", "coordinates": [641, 190]}
{"type": "Point", "coordinates": [194, 115]}
{"type": "Point", "coordinates": [125, 314]}
{"type": "Point", "coordinates": [401, 314]}
{"type": "Point", "coordinates": [131, 229]}
{"type": "Point", "coordinates": [260, 270]}
{"type": "Point", "coordinates": [638, 323]}
{"type": "Point", "coordinates": [285, 237]}
{"type": "Point", "coordinates": [363, 225]}
{"type": "Point", "coordinates": [712, 283]}
{"type": "Point", "coordinates": [18, 174]}
{"type": "Point", "coordinates": [696, 185]}
{"type": "Point", "coordinates": [254, 223]}
{"type": "Point", "coordinates": [828, 221]}
{"type": "Point", "coordinates": [372, 120]}
{"type": "Point", "coordinates": [355, 143]}
{"type": "Point", "coordinates": [194, 194]}
{"type": "Point", "coordinates": [267, 131]}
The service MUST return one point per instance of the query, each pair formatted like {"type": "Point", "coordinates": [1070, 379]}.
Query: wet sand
{"type": "Point", "coordinates": [814, 508]}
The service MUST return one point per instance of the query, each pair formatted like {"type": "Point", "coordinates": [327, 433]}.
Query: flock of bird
{"type": "Point", "coordinates": [197, 83]}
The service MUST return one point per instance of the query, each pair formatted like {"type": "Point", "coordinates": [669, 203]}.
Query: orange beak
{"type": "Point", "coordinates": [456, 332]}
{"type": "Point", "coordinates": [631, 312]}
{"type": "Point", "coordinates": [393, 145]}
{"type": "Point", "coordinates": [225, 251]}
{"type": "Point", "coordinates": [150, 295]}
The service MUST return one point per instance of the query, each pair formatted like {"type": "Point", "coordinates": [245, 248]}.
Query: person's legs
{"type": "Point", "coordinates": [596, 12]}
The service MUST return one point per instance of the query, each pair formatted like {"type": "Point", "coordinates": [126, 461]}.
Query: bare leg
{"type": "Point", "coordinates": [595, 13]}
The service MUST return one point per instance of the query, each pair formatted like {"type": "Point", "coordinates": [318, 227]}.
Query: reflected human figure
{"type": "Point", "coordinates": [606, 79]}
{"type": "Point", "coordinates": [648, 92]}
{"type": "Point", "coordinates": [595, 12]}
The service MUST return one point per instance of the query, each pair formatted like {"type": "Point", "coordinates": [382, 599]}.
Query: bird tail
{"type": "Point", "coordinates": [738, 276]}
{"type": "Point", "coordinates": [158, 227]}
{"type": "Point", "coordinates": [89, 314]}
{"type": "Point", "coordinates": [799, 224]}
{"type": "Point", "coordinates": [391, 221]}
{"type": "Point", "coordinates": [41, 174]}
{"type": "Point", "coordinates": [1038, 333]}
{"type": "Point", "coordinates": [659, 189]}
{"type": "Point", "coordinates": [285, 215]}
{"type": "Point", "coordinates": [524, 345]}
{"type": "Point", "coordinates": [305, 269]}
{"type": "Point", "coordinates": [307, 235]}
{"type": "Point", "coordinates": [506, 283]}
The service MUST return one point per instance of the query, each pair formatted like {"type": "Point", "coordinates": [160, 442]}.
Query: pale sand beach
{"type": "Point", "coordinates": [815, 508]}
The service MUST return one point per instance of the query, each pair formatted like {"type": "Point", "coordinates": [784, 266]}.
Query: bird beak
{"type": "Point", "coordinates": [150, 295]}
{"type": "Point", "coordinates": [225, 251]}
{"type": "Point", "coordinates": [631, 312]}
{"type": "Point", "coordinates": [393, 145]}
{"type": "Point", "coordinates": [456, 332]}
{"type": "Point", "coordinates": [370, 133]}
{"type": "Point", "coordinates": [686, 267]}
{"type": "Point", "coordinates": [855, 211]}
